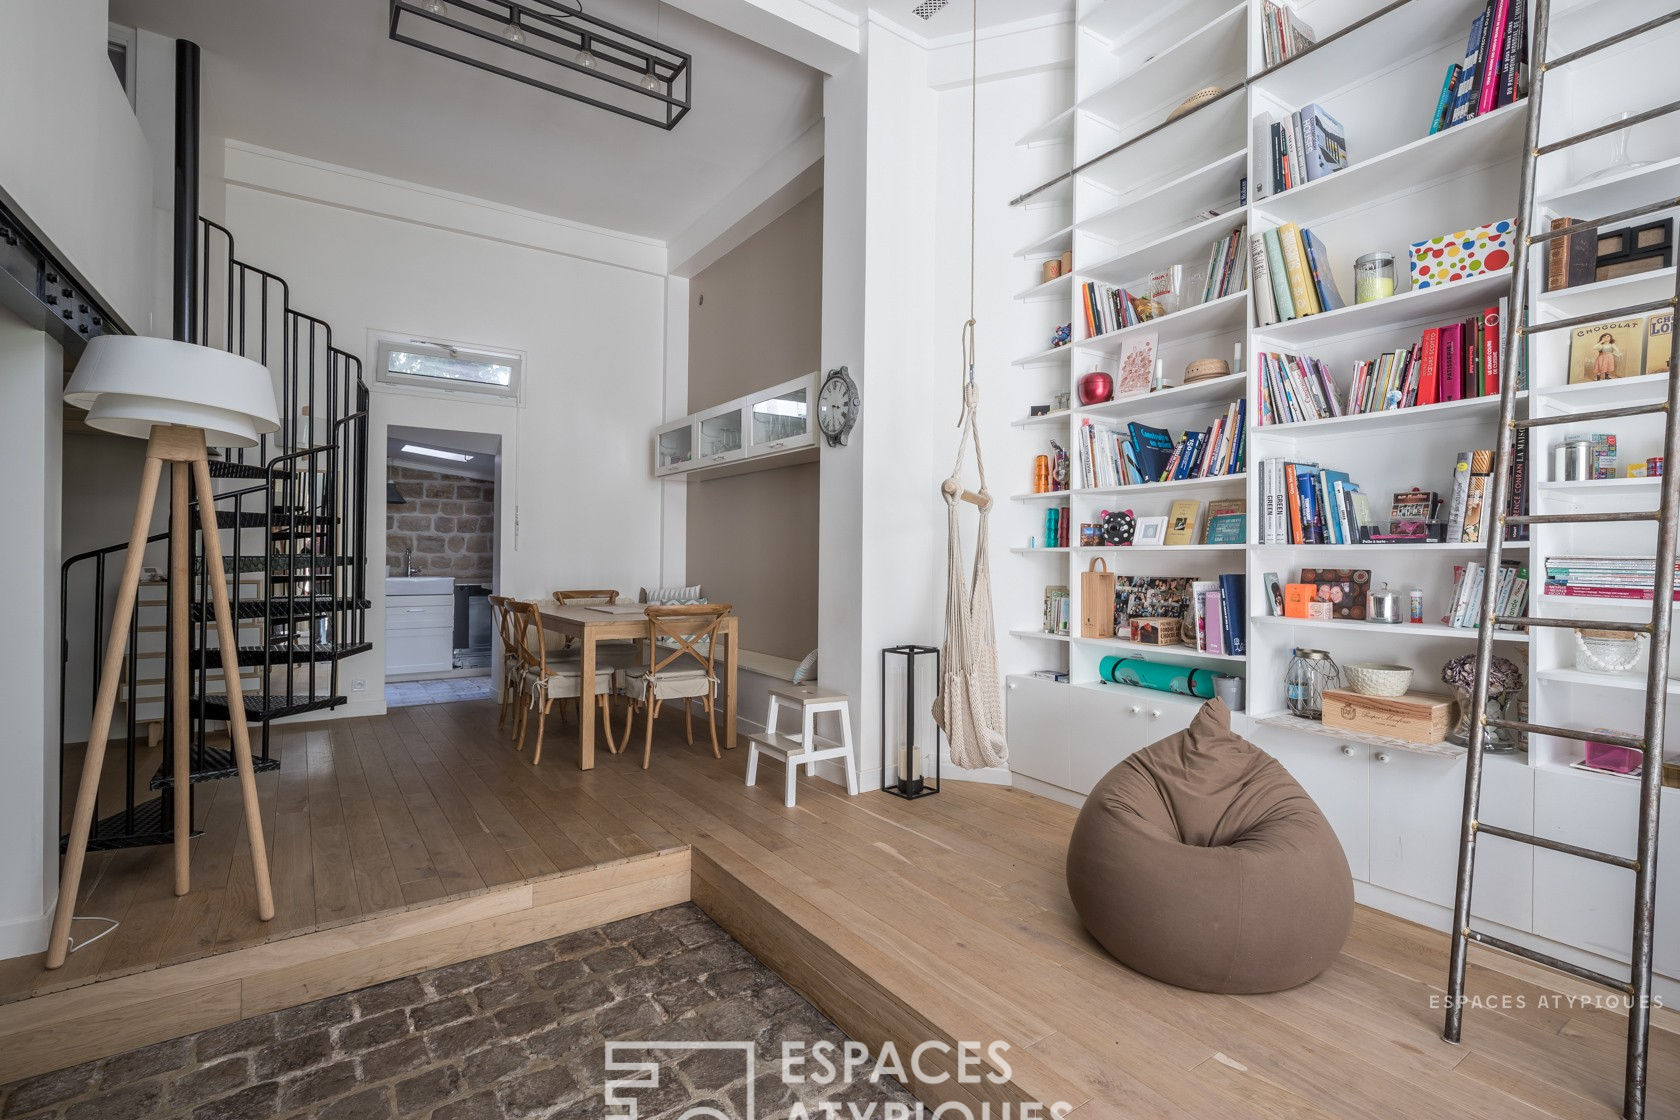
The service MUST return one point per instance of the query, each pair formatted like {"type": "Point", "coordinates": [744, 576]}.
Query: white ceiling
{"type": "Point", "coordinates": [321, 79]}
{"type": "Point", "coordinates": [957, 16]}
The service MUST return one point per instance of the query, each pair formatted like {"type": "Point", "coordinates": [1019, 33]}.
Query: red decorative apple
{"type": "Point", "coordinates": [1096, 387]}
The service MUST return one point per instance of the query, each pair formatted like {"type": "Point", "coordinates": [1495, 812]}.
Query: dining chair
{"type": "Point", "coordinates": [544, 680]}
{"type": "Point", "coordinates": [682, 647]}
{"type": "Point", "coordinates": [503, 618]}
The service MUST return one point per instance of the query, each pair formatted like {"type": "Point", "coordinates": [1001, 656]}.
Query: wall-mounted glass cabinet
{"type": "Point", "coordinates": [761, 427]}
{"type": "Point", "coordinates": [673, 447]}
{"type": "Point", "coordinates": [781, 418]}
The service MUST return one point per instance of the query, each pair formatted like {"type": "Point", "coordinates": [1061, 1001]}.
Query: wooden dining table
{"type": "Point", "coordinates": [589, 625]}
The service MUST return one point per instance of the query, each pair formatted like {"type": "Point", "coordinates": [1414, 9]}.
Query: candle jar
{"type": "Point", "coordinates": [1373, 277]}
{"type": "Point", "coordinates": [1310, 672]}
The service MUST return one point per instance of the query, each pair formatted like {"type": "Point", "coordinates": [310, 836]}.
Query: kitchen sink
{"type": "Point", "coordinates": [419, 585]}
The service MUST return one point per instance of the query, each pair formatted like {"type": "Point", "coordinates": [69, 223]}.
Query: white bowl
{"type": "Point", "coordinates": [1368, 678]}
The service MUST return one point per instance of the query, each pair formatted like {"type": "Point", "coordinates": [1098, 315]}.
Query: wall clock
{"type": "Point", "coordinates": [838, 403]}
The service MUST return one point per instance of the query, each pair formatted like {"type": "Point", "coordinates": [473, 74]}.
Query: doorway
{"type": "Point", "coordinates": [440, 549]}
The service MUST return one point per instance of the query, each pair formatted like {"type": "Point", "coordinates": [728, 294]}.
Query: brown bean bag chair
{"type": "Point", "coordinates": [1201, 862]}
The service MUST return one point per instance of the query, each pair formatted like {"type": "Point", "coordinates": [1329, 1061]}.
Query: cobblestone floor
{"type": "Point", "coordinates": [516, 1035]}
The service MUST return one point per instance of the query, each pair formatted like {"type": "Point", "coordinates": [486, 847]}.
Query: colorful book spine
{"type": "Point", "coordinates": [1461, 110]}
{"type": "Point", "coordinates": [1460, 496]}
{"type": "Point", "coordinates": [1443, 105]}
{"type": "Point", "coordinates": [1491, 66]}
{"type": "Point", "coordinates": [1281, 290]}
{"type": "Point", "coordinates": [1295, 268]}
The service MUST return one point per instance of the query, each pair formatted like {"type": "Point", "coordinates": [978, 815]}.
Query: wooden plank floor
{"type": "Point", "coordinates": [958, 901]}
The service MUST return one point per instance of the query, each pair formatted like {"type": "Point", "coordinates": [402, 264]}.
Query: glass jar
{"type": "Point", "coordinates": [1310, 672]}
{"type": "Point", "coordinates": [1373, 277]}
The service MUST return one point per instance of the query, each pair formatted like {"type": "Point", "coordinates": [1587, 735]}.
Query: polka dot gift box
{"type": "Point", "coordinates": [1467, 253]}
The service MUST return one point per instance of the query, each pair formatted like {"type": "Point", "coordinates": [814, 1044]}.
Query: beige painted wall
{"type": "Point", "coordinates": [756, 319]}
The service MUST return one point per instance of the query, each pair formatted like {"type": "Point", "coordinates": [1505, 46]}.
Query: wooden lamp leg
{"type": "Point", "coordinates": [179, 589]}
{"type": "Point", "coordinates": [235, 685]}
{"type": "Point", "coordinates": [110, 676]}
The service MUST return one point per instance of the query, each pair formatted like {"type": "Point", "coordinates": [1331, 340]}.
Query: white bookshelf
{"type": "Point", "coordinates": [1144, 209]}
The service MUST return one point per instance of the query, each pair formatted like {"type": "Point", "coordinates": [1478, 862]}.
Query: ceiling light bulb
{"type": "Point", "coordinates": [586, 58]}
{"type": "Point", "coordinates": [435, 7]}
{"type": "Point", "coordinates": [650, 82]}
{"type": "Point", "coordinates": [513, 34]}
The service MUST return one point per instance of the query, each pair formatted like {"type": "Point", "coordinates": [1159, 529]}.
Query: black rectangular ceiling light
{"type": "Point", "coordinates": [556, 46]}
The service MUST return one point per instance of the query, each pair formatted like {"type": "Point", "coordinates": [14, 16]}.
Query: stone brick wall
{"type": "Point", "coordinates": [449, 521]}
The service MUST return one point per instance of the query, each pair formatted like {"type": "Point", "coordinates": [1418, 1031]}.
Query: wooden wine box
{"type": "Point", "coordinates": [1096, 601]}
{"type": "Point", "coordinates": [1417, 717]}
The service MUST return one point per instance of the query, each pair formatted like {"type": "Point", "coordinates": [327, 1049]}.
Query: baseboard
{"type": "Point", "coordinates": [95, 1020]}
{"type": "Point", "coordinates": [21, 937]}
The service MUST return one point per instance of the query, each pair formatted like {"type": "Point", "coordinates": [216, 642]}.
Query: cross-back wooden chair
{"type": "Point", "coordinates": [509, 652]}
{"type": "Point", "coordinates": [681, 665]}
{"type": "Point", "coordinates": [544, 680]}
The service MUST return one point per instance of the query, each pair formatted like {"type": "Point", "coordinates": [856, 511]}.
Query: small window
{"type": "Point", "coordinates": [442, 366]}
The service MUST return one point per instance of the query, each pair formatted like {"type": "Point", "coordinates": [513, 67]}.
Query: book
{"type": "Point", "coordinates": [1492, 63]}
{"type": "Point", "coordinates": [1490, 351]}
{"type": "Point", "coordinates": [1478, 497]}
{"type": "Point", "coordinates": [1280, 280]}
{"type": "Point", "coordinates": [1571, 260]}
{"type": "Point", "coordinates": [1430, 378]}
{"type": "Point", "coordinates": [1324, 142]}
{"type": "Point", "coordinates": [1483, 43]}
{"type": "Point", "coordinates": [1234, 611]}
{"type": "Point", "coordinates": [1659, 342]}
{"type": "Point", "coordinates": [1324, 280]}
{"type": "Point", "coordinates": [1467, 76]}
{"type": "Point", "coordinates": [1152, 447]}
{"type": "Point", "coordinates": [1451, 386]}
{"type": "Point", "coordinates": [1513, 68]}
{"type": "Point", "coordinates": [1213, 621]}
{"type": "Point", "coordinates": [1443, 104]}
{"type": "Point", "coordinates": [1137, 365]}
{"type": "Point", "coordinates": [1606, 351]}
{"type": "Point", "coordinates": [1295, 269]}
{"type": "Point", "coordinates": [1460, 496]}
{"type": "Point", "coordinates": [1265, 302]}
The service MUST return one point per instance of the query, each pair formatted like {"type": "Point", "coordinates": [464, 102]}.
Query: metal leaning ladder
{"type": "Point", "coordinates": [1650, 742]}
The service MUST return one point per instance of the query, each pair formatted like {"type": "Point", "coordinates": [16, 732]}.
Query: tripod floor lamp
{"type": "Point", "coordinates": [182, 399]}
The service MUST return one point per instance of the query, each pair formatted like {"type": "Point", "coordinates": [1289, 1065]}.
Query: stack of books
{"type": "Point", "coordinates": [1142, 454]}
{"type": "Point", "coordinates": [1306, 146]}
{"type": "Point", "coordinates": [1459, 361]}
{"type": "Point", "coordinates": [1495, 67]}
{"type": "Point", "coordinates": [1282, 34]}
{"type": "Point", "coordinates": [1303, 503]}
{"type": "Point", "coordinates": [1108, 308]}
{"type": "Point", "coordinates": [1604, 577]}
{"type": "Point", "coordinates": [1510, 597]}
{"type": "Point", "coordinates": [1221, 616]}
{"type": "Point", "coordinates": [1225, 273]}
{"type": "Point", "coordinates": [1292, 276]}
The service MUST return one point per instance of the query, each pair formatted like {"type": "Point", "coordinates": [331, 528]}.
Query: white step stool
{"type": "Point", "coordinates": [795, 750]}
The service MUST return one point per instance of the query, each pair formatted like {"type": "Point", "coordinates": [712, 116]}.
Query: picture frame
{"type": "Point", "coordinates": [1151, 532]}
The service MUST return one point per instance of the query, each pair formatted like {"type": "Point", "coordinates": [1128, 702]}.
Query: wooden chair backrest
{"type": "Point", "coordinates": [686, 626]}
{"type": "Point", "coordinates": [499, 607]}
{"type": "Point", "coordinates": [592, 597]}
{"type": "Point", "coordinates": [531, 645]}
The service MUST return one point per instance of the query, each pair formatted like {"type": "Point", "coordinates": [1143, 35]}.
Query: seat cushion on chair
{"type": "Point", "coordinates": [667, 684]}
{"type": "Point", "coordinates": [566, 681]}
{"type": "Point", "coordinates": [1201, 862]}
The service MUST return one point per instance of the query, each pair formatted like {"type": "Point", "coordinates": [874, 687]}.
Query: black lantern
{"type": "Point", "coordinates": [911, 779]}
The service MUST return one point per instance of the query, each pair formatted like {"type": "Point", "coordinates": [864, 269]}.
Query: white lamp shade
{"type": "Point", "coordinates": [128, 383]}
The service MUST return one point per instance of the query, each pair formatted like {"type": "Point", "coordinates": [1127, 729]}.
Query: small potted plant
{"type": "Point", "coordinates": [1505, 683]}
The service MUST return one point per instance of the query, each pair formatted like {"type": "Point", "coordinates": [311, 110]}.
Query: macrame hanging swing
{"type": "Point", "coordinates": [969, 706]}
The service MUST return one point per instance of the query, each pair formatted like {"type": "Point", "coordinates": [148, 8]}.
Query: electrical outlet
{"type": "Point", "coordinates": [358, 686]}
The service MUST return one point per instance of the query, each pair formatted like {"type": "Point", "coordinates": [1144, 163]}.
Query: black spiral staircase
{"type": "Point", "coordinates": [293, 514]}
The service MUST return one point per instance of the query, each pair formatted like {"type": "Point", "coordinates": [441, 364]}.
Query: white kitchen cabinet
{"type": "Point", "coordinates": [779, 419]}
{"type": "Point", "coordinates": [1417, 802]}
{"type": "Point", "coordinates": [673, 447]}
{"type": "Point", "coordinates": [721, 435]}
{"type": "Point", "coordinates": [1587, 904]}
{"type": "Point", "coordinates": [419, 634]}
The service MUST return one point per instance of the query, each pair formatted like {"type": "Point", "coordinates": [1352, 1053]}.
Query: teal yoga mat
{"type": "Point", "coordinates": [1181, 679]}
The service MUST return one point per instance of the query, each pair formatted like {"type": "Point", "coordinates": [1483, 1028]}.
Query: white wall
{"type": "Point", "coordinates": [72, 155]}
{"type": "Point", "coordinates": [578, 506]}
{"type": "Point", "coordinates": [31, 379]}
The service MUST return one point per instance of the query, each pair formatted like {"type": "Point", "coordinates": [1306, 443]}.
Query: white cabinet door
{"type": "Point", "coordinates": [673, 447]}
{"type": "Point", "coordinates": [1110, 723]}
{"type": "Point", "coordinates": [1417, 804]}
{"type": "Point", "coordinates": [1589, 905]}
{"type": "Point", "coordinates": [1036, 720]}
{"type": "Point", "coordinates": [1336, 777]}
{"type": "Point", "coordinates": [419, 651]}
{"type": "Point", "coordinates": [779, 419]}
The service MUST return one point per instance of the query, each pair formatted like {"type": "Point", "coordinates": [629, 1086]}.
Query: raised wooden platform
{"type": "Point", "coordinates": [942, 919]}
